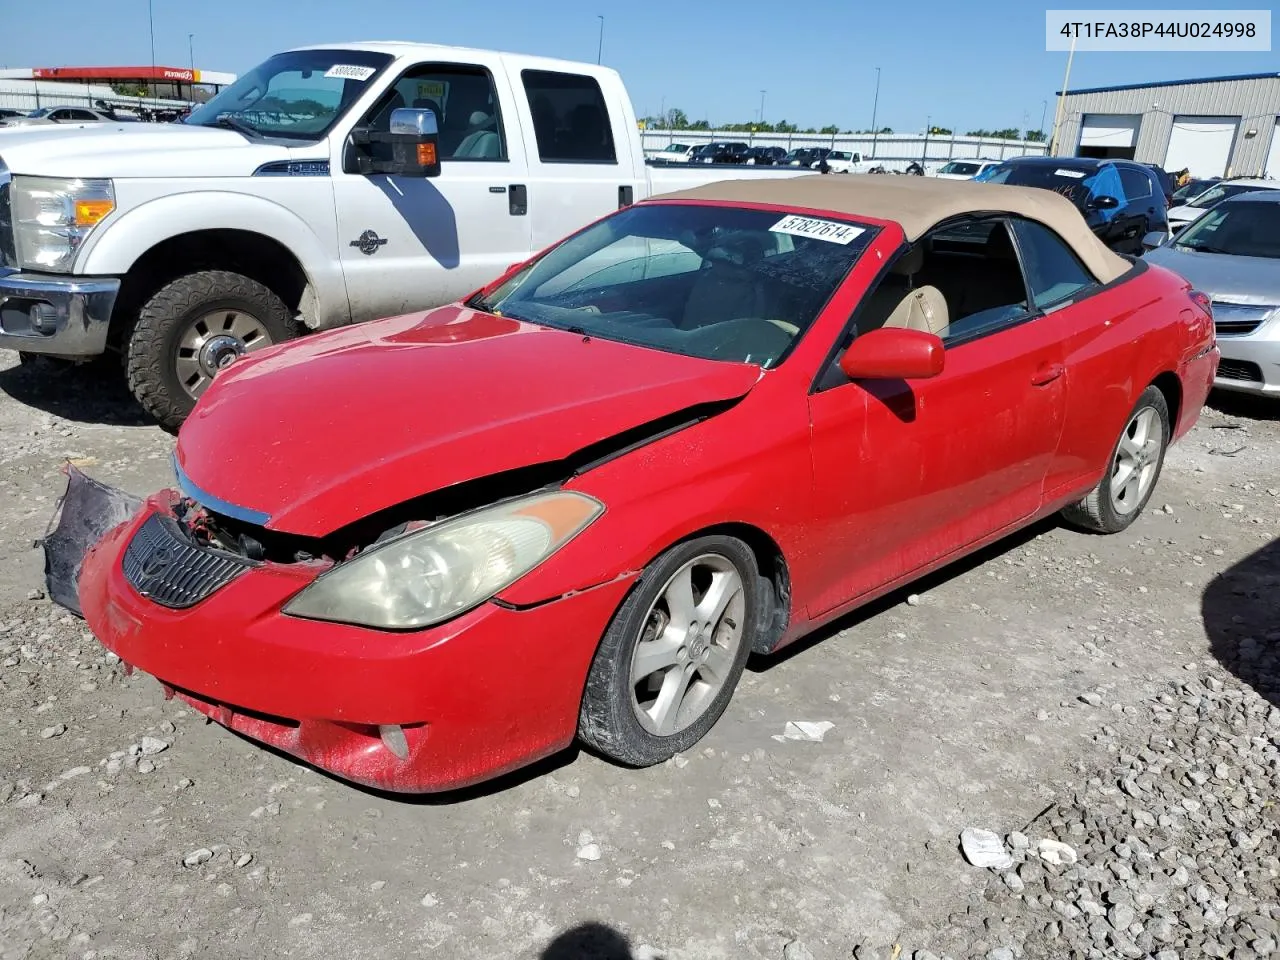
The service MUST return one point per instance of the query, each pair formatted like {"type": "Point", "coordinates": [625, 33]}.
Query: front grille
{"type": "Point", "coordinates": [166, 567]}
{"type": "Point", "coordinates": [1237, 319]}
{"type": "Point", "coordinates": [1239, 370]}
{"type": "Point", "coordinates": [8, 249]}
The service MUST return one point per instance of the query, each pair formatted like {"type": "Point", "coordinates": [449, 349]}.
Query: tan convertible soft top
{"type": "Point", "coordinates": [919, 203]}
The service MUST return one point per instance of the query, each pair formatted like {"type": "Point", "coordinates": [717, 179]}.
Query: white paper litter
{"type": "Point", "coordinates": [809, 730]}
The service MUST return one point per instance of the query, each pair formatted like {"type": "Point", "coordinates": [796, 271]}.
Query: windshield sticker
{"type": "Point", "coordinates": [827, 230]}
{"type": "Point", "coordinates": [431, 89]}
{"type": "Point", "coordinates": [1073, 174]}
{"type": "Point", "coordinates": [349, 71]}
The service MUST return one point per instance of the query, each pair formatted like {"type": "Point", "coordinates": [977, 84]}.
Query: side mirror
{"type": "Point", "coordinates": [413, 134]}
{"type": "Point", "coordinates": [1154, 239]}
{"type": "Point", "coordinates": [1104, 202]}
{"type": "Point", "coordinates": [894, 353]}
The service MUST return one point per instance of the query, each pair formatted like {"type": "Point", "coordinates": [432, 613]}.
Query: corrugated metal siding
{"type": "Point", "coordinates": [1255, 102]}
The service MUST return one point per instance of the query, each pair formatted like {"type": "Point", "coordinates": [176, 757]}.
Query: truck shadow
{"type": "Point", "coordinates": [589, 941]}
{"type": "Point", "coordinates": [1239, 609]}
{"type": "Point", "coordinates": [428, 214]}
{"type": "Point", "coordinates": [89, 393]}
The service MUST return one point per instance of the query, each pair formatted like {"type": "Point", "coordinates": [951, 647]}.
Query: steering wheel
{"type": "Point", "coordinates": [759, 339]}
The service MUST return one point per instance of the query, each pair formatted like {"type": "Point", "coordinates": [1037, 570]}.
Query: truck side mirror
{"type": "Point", "coordinates": [413, 135]}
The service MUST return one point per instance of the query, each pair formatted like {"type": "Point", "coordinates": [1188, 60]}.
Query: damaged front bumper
{"type": "Point", "coordinates": [417, 711]}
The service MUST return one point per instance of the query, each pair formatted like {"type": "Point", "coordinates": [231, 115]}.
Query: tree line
{"type": "Point", "coordinates": [677, 119]}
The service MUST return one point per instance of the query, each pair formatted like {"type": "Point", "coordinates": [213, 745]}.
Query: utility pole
{"type": "Point", "coordinates": [1044, 108]}
{"type": "Point", "coordinates": [928, 125]}
{"type": "Point", "coordinates": [151, 22]}
{"type": "Point", "coordinates": [600, 46]}
{"type": "Point", "coordinates": [191, 51]}
{"type": "Point", "coordinates": [875, 103]}
{"type": "Point", "coordinates": [762, 93]}
{"type": "Point", "coordinates": [1062, 100]}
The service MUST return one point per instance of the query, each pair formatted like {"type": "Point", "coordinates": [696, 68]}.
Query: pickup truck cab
{"type": "Point", "coordinates": [301, 198]}
{"type": "Point", "coordinates": [845, 161]}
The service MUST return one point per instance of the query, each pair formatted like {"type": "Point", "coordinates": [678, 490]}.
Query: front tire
{"type": "Point", "coordinates": [1136, 461]}
{"type": "Point", "coordinates": [672, 655]}
{"type": "Point", "coordinates": [192, 327]}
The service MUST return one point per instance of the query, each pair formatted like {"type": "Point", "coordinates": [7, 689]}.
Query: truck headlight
{"type": "Point", "coordinates": [52, 216]}
{"type": "Point", "coordinates": [427, 576]}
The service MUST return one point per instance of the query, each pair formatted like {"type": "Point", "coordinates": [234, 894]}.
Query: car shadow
{"type": "Point", "coordinates": [1240, 608]}
{"type": "Point", "coordinates": [759, 663]}
{"type": "Point", "coordinates": [1247, 406]}
{"type": "Point", "coordinates": [589, 941]}
{"type": "Point", "coordinates": [86, 393]}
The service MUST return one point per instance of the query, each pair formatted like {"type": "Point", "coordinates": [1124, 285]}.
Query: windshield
{"type": "Point", "coordinates": [296, 95]}
{"type": "Point", "coordinates": [1192, 189]}
{"type": "Point", "coordinates": [1240, 229]}
{"type": "Point", "coordinates": [1215, 195]}
{"type": "Point", "coordinates": [955, 166]}
{"type": "Point", "coordinates": [676, 148]}
{"type": "Point", "coordinates": [720, 283]}
{"type": "Point", "coordinates": [1076, 185]}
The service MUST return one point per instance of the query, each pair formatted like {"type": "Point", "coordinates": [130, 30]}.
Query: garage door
{"type": "Point", "coordinates": [1272, 167]}
{"type": "Point", "coordinates": [1201, 145]}
{"type": "Point", "coordinates": [1108, 136]}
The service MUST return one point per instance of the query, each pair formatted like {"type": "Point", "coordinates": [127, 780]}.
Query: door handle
{"type": "Point", "coordinates": [626, 196]}
{"type": "Point", "coordinates": [1047, 373]}
{"type": "Point", "coordinates": [518, 199]}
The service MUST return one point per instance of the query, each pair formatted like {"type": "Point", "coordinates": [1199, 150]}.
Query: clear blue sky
{"type": "Point", "coordinates": [964, 65]}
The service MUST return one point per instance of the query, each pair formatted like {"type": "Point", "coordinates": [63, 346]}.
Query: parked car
{"type": "Point", "coordinates": [805, 156]}
{"type": "Point", "coordinates": [721, 151]}
{"type": "Point", "coordinates": [766, 156]}
{"type": "Point", "coordinates": [1192, 189]}
{"type": "Point", "coordinates": [660, 468]}
{"type": "Point", "coordinates": [1232, 253]}
{"type": "Point", "coordinates": [180, 246]}
{"type": "Point", "coordinates": [46, 115]}
{"type": "Point", "coordinates": [964, 169]}
{"type": "Point", "coordinates": [1202, 203]}
{"type": "Point", "coordinates": [7, 113]}
{"type": "Point", "coordinates": [844, 161]}
{"type": "Point", "coordinates": [672, 153]}
{"type": "Point", "coordinates": [1165, 179]}
{"type": "Point", "coordinates": [1122, 201]}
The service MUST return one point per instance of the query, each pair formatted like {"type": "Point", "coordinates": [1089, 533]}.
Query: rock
{"type": "Point", "coordinates": [1121, 916]}
{"type": "Point", "coordinates": [146, 766]}
{"type": "Point", "coordinates": [57, 730]}
{"type": "Point", "coordinates": [1014, 882]}
{"type": "Point", "coordinates": [982, 848]}
{"type": "Point", "coordinates": [924, 955]}
{"type": "Point", "coordinates": [1018, 841]}
{"type": "Point", "coordinates": [1001, 953]}
{"type": "Point", "coordinates": [244, 859]}
{"type": "Point", "coordinates": [1092, 699]}
{"type": "Point", "coordinates": [913, 600]}
{"type": "Point", "coordinates": [430, 901]}
{"type": "Point", "coordinates": [197, 857]}
{"type": "Point", "coordinates": [75, 772]}
{"type": "Point", "coordinates": [795, 950]}
{"type": "Point", "coordinates": [1057, 853]}
{"type": "Point", "coordinates": [589, 851]}
{"type": "Point", "coordinates": [150, 746]}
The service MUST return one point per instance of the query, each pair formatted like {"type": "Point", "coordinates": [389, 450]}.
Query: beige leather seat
{"type": "Point", "coordinates": [923, 308]}
{"type": "Point", "coordinates": [915, 308]}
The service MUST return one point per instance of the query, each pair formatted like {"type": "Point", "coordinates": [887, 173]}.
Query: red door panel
{"type": "Point", "coordinates": [908, 472]}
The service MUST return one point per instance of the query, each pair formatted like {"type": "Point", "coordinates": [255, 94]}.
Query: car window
{"type": "Point", "coordinates": [715, 282]}
{"type": "Point", "coordinates": [1137, 185]}
{"type": "Point", "coordinates": [1053, 271]}
{"type": "Point", "coordinates": [464, 101]}
{"type": "Point", "coordinates": [1239, 228]}
{"type": "Point", "coordinates": [570, 119]}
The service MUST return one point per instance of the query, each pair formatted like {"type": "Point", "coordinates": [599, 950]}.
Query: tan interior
{"type": "Point", "coordinates": [924, 308]}
{"type": "Point", "coordinates": [918, 204]}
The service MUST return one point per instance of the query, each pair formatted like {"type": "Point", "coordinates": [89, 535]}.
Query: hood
{"type": "Point", "coordinates": [1185, 214]}
{"type": "Point", "coordinates": [1252, 280]}
{"type": "Point", "coordinates": [311, 436]}
{"type": "Point", "coordinates": [124, 150]}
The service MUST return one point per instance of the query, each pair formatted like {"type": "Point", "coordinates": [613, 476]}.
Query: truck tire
{"type": "Point", "coordinates": [193, 326]}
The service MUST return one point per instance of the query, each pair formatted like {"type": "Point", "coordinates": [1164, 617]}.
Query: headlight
{"type": "Point", "coordinates": [427, 576]}
{"type": "Point", "coordinates": [52, 217]}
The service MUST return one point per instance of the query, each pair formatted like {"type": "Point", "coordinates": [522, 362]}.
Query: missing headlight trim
{"type": "Point", "coordinates": [258, 543]}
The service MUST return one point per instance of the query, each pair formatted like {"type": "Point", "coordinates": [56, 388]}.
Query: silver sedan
{"type": "Point", "coordinates": [1232, 253]}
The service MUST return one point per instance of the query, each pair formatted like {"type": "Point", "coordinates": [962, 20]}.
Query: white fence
{"type": "Point", "coordinates": [893, 150]}
{"type": "Point", "coordinates": [28, 95]}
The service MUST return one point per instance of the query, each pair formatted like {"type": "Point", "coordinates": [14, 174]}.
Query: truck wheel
{"type": "Point", "coordinates": [193, 327]}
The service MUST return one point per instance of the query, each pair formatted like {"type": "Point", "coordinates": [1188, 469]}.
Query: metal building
{"type": "Point", "coordinates": [1214, 127]}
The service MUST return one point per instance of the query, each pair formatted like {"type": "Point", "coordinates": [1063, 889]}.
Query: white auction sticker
{"type": "Point", "coordinates": [349, 71]}
{"type": "Point", "coordinates": [827, 230]}
{"type": "Point", "coordinates": [1074, 174]}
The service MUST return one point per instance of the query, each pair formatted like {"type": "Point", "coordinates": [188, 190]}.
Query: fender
{"type": "Point", "coordinates": [115, 250]}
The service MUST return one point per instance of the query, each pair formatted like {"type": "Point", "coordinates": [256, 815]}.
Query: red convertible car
{"type": "Point", "coordinates": [423, 551]}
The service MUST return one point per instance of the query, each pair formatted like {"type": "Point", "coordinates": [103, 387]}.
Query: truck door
{"type": "Point", "coordinates": [581, 162]}
{"type": "Point", "coordinates": [410, 243]}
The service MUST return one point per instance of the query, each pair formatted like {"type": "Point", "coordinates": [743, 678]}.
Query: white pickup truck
{"type": "Point", "coordinates": [327, 186]}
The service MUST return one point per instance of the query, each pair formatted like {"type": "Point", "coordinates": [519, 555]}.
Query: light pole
{"type": "Point", "coordinates": [600, 46]}
{"type": "Point", "coordinates": [762, 93]}
{"type": "Point", "coordinates": [875, 103]}
{"type": "Point", "coordinates": [928, 125]}
{"type": "Point", "coordinates": [1044, 108]}
{"type": "Point", "coordinates": [191, 52]}
{"type": "Point", "coordinates": [1062, 99]}
{"type": "Point", "coordinates": [151, 23]}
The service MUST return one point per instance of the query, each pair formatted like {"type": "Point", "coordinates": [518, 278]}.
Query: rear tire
{"type": "Point", "coordinates": [1133, 469]}
{"type": "Point", "coordinates": [706, 640]}
{"type": "Point", "coordinates": [159, 343]}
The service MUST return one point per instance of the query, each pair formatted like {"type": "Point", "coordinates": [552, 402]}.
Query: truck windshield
{"type": "Point", "coordinates": [297, 95]}
{"type": "Point", "coordinates": [716, 282]}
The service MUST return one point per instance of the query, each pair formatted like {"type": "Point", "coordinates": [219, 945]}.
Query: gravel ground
{"type": "Point", "coordinates": [1114, 695]}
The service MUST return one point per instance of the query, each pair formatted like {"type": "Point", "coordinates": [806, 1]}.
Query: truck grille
{"type": "Point", "coordinates": [8, 250]}
{"type": "Point", "coordinates": [166, 567]}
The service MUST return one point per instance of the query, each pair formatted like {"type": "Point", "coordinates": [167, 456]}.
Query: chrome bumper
{"type": "Point", "coordinates": [63, 316]}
